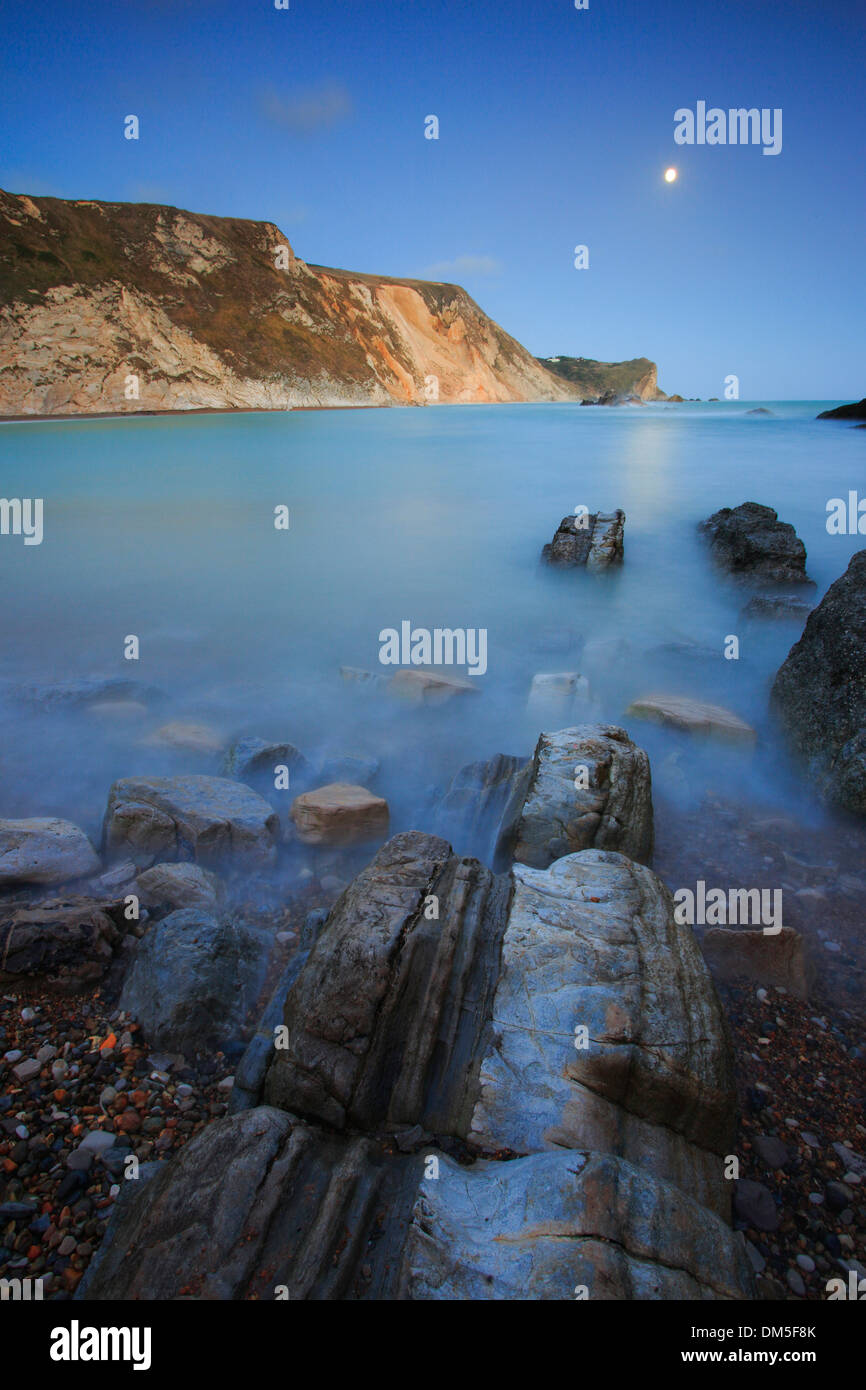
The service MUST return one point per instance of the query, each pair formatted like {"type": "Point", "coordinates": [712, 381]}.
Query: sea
{"type": "Point", "coordinates": [163, 529]}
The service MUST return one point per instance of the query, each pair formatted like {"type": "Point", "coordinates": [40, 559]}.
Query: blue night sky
{"type": "Point", "coordinates": [555, 128]}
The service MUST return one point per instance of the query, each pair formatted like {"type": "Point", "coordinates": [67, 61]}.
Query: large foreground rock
{"type": "Point", "coordinates": [193, 979]}
{"type": "Point", "coordinates": [63, 944]}
{"type": "Point", "coordinates": [750, 542]}
{"type": "Point", "coordinates": [594, 540]}
{"type": "Point", "coordinates": [206, 819]}
{"type": "Point", "coordinates": [558, 817]}
{"type": "Point", "coordinates": [265, 1206]}
{"type": "Point", "coordinates": [44, 850]}
{"type": "Point", "coordinates": [598, 1166]}
{"type": "Point", "coordinates": [459, 1025]}
{"type": "Point", "coordinates": [820, 692]}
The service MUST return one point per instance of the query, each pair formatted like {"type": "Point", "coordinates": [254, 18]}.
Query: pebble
{"type": "Point", "coordinates": [795, 1283]}
{"type": "Point", "coordinates": [806, 1263]}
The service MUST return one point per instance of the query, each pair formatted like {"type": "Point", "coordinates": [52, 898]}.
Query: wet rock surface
{"type": "Point", "coordinates": [593, 540]}
{"type": "Point", "coordinates": [559, 815]}
{"type": "Point", "coordinates": [820, 692]}
{"type": "Point", "coordinates": [750, 542]}
{"type": "Point", "coordinates": [210, 820]}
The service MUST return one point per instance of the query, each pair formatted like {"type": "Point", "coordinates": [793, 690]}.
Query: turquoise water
{"type": "Point", "coordinates": [163, 528]}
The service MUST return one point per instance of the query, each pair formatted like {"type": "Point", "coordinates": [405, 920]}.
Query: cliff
{"type": "Point", "coordinates": [99, 301]}
{"type": "Point", "coordinates": [591, 379]}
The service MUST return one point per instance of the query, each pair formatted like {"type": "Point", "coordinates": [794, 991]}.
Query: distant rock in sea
{"type": "Point", "coordinates": [750, 542]}
{"type": "Point", "coordinates": [857, 411]}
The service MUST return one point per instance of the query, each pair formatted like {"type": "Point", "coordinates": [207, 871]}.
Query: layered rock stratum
{"type": "Point", "coordinates": [524, 1093]}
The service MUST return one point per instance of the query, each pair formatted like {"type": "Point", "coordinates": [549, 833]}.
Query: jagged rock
{"type": "Point", "coordinates": [613, 812]}
{"type": "Point", "coordinates": [393, 1026]}
{"type": "Point", "coordinates": [339, 814]}
{"type": "Point", "coordinates": [857, 411]}
{"type": "Point", "coordinates": [193, 979]}
{"type": "Point", "coordinates": [206, 819]}
{"type": "Point", "coordinates": [65, 943]}
{"type": "Point", "coordinates": [750, 542]}
{"type": "Point", "coordinates": [594, 539]}
{"type": "Point", "coordinates": [253, 761]}
{"type": "Point", "coordinates": [820, 692]}
{"type": "Point", "coordinates": [44, 850]}
{"type": "Point", "coordinates": [175, 886]}
{"type": "Point", "coordinates": [429, 687]}
{"type": "Point", "coordinates": [693, 717]}
{"type": "Point", "coordinates": [557, 698]}
{"type": "Point", "coordinates": [778, 959]}
{"type": "Point", "coordinates": [470, 814]}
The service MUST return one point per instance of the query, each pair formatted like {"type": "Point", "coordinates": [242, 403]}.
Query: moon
{"type": "Point", "coordinates": [671, 175]}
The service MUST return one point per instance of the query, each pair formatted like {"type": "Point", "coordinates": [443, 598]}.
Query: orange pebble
{"type": "Point", "coordinates": [59, 1095]}
{"type": "Point", "coordinates": [110, 1041]}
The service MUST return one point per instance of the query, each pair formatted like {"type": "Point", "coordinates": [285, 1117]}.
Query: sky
{"type": "Point", "coordinates": [555, 128]}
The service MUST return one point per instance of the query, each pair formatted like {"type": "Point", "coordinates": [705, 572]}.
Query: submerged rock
{"type": "Point", "coordinates": [820, 692]}
{"type": "Point", "coordinates": [750, 542]}
{"type": "Point", "coordinates": [557, 698]}
{"type": "Point", "coordinates": [339, 814]}
{"type": "Point", "coordinates": [430, 687]}
{"type": "Point", "coordinates": [254, 760]}
{"type": "Point", "coordinates": [776, 606]}
{"type": "Point", "coordinates": [693, 717]}
{"type": "Point", "coordinates": [189, 737]}
{"type": "Point", "coordinates": [193, 979]}
{"type": "Point", "coordinates": [594, 540]}
{"type": "Point", "coordinates": [615, 1172]}
{"type": "Point", "coordinates": [44, 850]}
{"type": "Point", "coordinates": [560, 815]}
{"type": "Point", "coordinates": [206, 819]}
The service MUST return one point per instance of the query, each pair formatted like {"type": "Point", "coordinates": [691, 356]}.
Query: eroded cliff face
{"type": "Point", "coordinates": [119, 307]}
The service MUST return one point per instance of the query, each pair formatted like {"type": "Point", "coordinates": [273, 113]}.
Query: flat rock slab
{"type": "Point", "coordinates": [594, 540]}
{"type": "Point", "coordinates": [188, 737]}
{"type": "Point", "coordinates": [694, 717]}
{"type": "Point", "coordinates": [429, 687]}
{"type": "Point", "coordinates": [44, 850]}
{"type": "Point", "coordinates": [750, 542]}
{"type": "Point", "coordinates": [559, 817]}
{"type": "Point", "coordinates": [339, 814]}
{"type": "Point", "coordinates": [207, 819]}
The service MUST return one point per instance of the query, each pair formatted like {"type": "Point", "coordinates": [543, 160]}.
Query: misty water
{"type": "Point", "coordinates": [164, 528]}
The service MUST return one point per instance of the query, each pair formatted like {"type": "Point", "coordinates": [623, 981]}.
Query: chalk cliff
{"type": "Point", "coordinates": [100, 301]}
